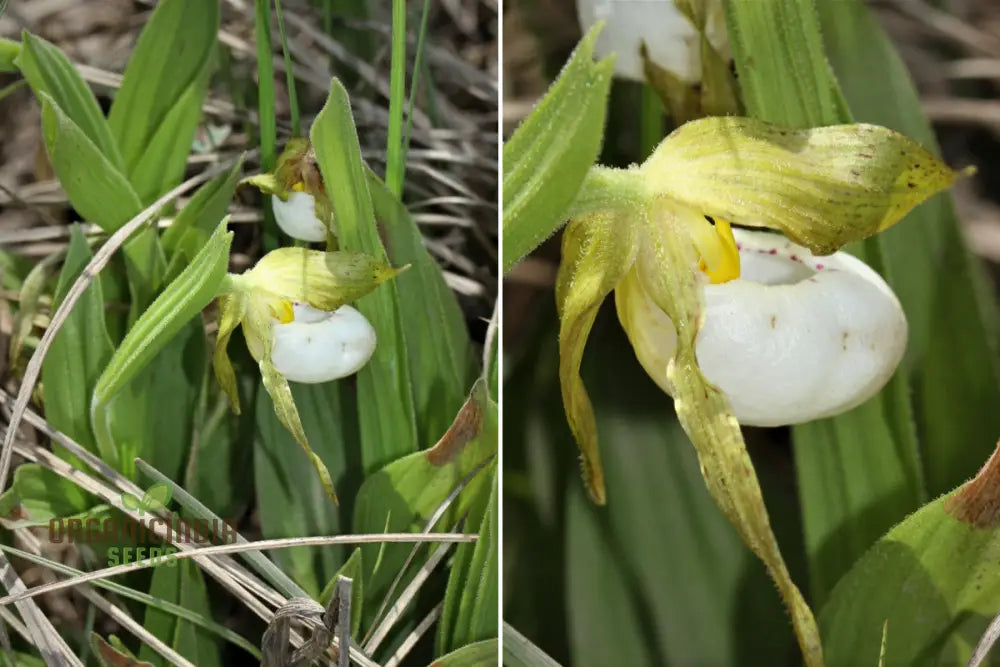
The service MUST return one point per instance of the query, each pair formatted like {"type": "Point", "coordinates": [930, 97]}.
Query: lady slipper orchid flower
{"type": "Point", "coordinates": [298, 198]}
{"type": "Point", "coordinates": [292, 306]}
{"type": "Point", "coordinates": [820, 334]}
{"type": "Point", "coordinates": [792, 322]}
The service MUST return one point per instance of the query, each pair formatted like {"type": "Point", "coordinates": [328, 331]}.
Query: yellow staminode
{"type": "Point", "coordinates": [720, 258]}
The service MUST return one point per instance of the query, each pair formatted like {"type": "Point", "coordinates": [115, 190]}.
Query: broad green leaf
{"type": "Point", "coordinates": [49, 71]}
{"type": "Point", "coordinates": [782, 36]}
{"type": "Point", "coordinates": [477, 582]}
{"type": "Point", "coordinates": [38, 494]}
{"type": "Point", "coordinates": [96, 188]}
{"type": "Point", "coordinates": [546, 159]}
{"type": "Point", "coordinates": [385, 396]}
{"type": "Point", "coordinates": [291, 499]}
{"type": "Point", "coordinates": [595, 640]}
{"type": "Point", "coordinates": [156, 111]}
{"type": "Point", "coordinates": [442, 362]}
{"type": "Point", "coordinates": [102, 195]}
{"type": "Point", "coordinates": [181, 301]}
{"type": "Point", "coordinates": [933, 578]}
{"type": "Point", "coordinates": [9, 50]}
{"type": "Point", "coordinates": [79, 351]}
{"type": "Point", "coordinates": [194, 224]}
{"type": "Point", "coordinates": [954, 367]}
{"type": "Point", "coordinates": [152, 415]}
{"type": "Point", "coordinates": [164, 160]}
{"type": "Point", "coordinates": [477, 654]}
{"type": "Point", "coordinates": [519, 651]}
{"type": "Point", "coordinates": [403, 495]}
{"type": "Point", "coordinates": [843, 510]}
{"type": "Point", "coordinates": [218, 475]}
{"type": "Point", "coordinates": [353, 570]}
{"type": "Point", "coordinates": [181, 582]}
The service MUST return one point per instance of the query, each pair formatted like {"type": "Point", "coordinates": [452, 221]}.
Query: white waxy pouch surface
{"type": "Point", "coordinates": [297, 217]}
{"type": "Point", "coordinates": [796, 338]}
{"type": "Point", "coordinates": [671, 39]}
{"type": "Point", "coordinates": [319, 346]}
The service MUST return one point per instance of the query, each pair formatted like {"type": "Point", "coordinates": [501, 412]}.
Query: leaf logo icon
{"type": "Point", "coordinates": [155, 498]}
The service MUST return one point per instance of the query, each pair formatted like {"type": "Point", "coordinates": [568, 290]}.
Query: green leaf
{"type": "Point", "coordinates": [519, 651]}
{"type": "Point", "coordinates": [403, 495]}
{"type": "Point", "coordinates": [471, 599]}
{"type": "Point", "coordinates": [933, 578]}
{"type": "Point", "coordinates": [79, 351]}
{"type": "Point", "coordinates": [49, 71]}
{"type": "Point", "coordinates": [476, 654]}
{"type": "Point", "coordinates": [181, 582]}
{"type": "Point", "coordinates": [385, 398]}
{"type": "Point", "coordinates": [442, 361]}
{"type": "Point", "coordinates": [353, 570]}
{"type": "Point", "coordinates": [156, 110]}
{"type": "Point", "coordinates": [38, 494]}
{"type": "Point", "coordinates": [783, 37]}
{"type": "Point", "coordinates": [9, 50]}
{"type": "Point", "coordinates": [152, 415]}
{"type": "Point", "coordinates": [594, 640]}
{"type": "Point", "coordinates": [182, 300]}
{"type": "Point", "coordinates": [102, 195]}
{"type": "Point", "coordinates": [291, 499]}
{"type": "Point", "coordinates": [953, 367]}
{"type": "Point", "coordinates": [546, 159]}
{"type": "Point", "coordinates": [194, 224]}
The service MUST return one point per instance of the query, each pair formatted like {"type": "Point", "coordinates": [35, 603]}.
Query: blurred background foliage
{"type": "Point", "coordinates": [658, 576]}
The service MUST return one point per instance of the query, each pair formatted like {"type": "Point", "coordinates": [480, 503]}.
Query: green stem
{"type": "Point", "coordinates": [609, 189]}
{"type": "Point", "coordinates": [395, 160]}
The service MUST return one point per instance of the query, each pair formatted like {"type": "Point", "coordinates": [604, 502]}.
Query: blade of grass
{"type": "Point", "coordinates": [293, 98]}
{"type": "Point", "coordinates": [417, 66]}
{"type": "Point", "coordinates": [395, 154]}
{"type": "Point", "coordinates": [267, 122]}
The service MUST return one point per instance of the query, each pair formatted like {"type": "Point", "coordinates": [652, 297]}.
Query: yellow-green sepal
{"type": "Point", "coordinates": [597, 251]}
{"type": "Point", "coordinates": [324, 280]}
{"type": "Point", "coordinates": [821, 187]}
{"type": "Point", "coordinates": [231, 310]}
{"type": "Point", "coordinates": [284, 407]}
{"type": "Point", "coordinates": [666, 265]}
{"type": "Point", "coordinates": [268, 184]}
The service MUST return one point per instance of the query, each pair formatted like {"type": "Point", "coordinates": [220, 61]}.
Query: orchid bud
{"type": "Point", "coordinates": [298, 197]}
{"type": "Point", "coordinates": [670, 37]}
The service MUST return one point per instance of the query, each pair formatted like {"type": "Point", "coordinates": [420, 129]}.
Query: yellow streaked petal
{"type": "Point", "coordinates": [597, 251]}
